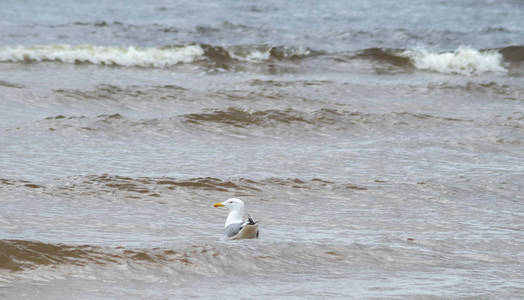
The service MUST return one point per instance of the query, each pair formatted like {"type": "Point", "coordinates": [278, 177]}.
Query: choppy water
{"type": "Point", "coordinates": [380, 145]}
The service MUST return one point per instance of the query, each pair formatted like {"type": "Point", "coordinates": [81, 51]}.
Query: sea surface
{"type": "Point", "coordinates": [380, 144]}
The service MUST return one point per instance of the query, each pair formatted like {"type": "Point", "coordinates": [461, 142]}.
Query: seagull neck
{"type": "Point", "coordinates": [235, 216]}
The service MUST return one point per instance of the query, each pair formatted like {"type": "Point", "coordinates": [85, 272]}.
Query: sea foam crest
{"type": "Point", "coordinates": [258, 54]}
{"type": "Point", "coordinates": [465, 61]}
{"type": "Point", "coordinates": [122, 56]}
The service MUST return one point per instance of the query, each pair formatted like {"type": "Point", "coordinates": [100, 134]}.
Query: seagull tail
{"type": "Point", "coordinates": [250, 220]}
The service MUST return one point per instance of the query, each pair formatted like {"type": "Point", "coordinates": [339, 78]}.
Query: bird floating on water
{"type": "Point", "coordinates": [236, 227]}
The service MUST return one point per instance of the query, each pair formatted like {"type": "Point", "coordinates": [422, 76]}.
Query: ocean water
{"type": "Point", "coordinates": [380, 144]}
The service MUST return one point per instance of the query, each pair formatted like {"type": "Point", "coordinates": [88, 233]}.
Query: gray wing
{"type": "Point", "coordinates": [233, 229]}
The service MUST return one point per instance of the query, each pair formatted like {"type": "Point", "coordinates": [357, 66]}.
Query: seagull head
{"type": "Point", "coordinates": [233, 204]}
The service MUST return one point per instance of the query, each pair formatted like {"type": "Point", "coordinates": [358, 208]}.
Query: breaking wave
{"type": "Point", "coordinates": [464, 61]}
{"type": "Point", "coordinates": [148, 57]}
{"type": "Point", "coordinates": [120, 56]}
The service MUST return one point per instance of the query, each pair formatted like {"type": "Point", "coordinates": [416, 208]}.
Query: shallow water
{"type": "Point", "coordinates": [382, 156]}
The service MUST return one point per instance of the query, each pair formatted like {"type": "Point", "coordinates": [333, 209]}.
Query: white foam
{"type": "Point", "coordinates": [261, 55]}
{"type": "Point", "coordinates": [256, 56]}
{"type": "Point", "coordinates": [465, 61]}
{"type": "Point", "coordinates": [122, 56]}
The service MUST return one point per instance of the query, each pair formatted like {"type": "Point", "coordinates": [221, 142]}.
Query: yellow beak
{"type": "Point", "coordinates": [219, 204]}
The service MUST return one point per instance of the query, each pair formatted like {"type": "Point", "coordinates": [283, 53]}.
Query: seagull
{"type": "Point", "coordinates": [236, 227]}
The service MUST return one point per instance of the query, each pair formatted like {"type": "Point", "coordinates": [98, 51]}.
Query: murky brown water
{"type": "Point", "coordinates": [381, 163]}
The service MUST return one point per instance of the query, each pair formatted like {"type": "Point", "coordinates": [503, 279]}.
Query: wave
{"type": "Point", "coordinates": [10, 85]}
{"type": "Point", "coordinates": [386, 56]}
{"type": "Point", "coordinates": [341, 119]}
{"type": "Point", "coordinates": [265, 52]}
{"type": "Point", "coordinates": [254, 53]}
{"type": "Point", "coordinates": [17, 255]}
{"type": "Point", "coordinates": [99, 55]}
{"type": "Point", "coordinates": [503, 91]}
{"type": "Point", "coordinates": [110, 92]}
{"type": "Point", "coordinates": [239, 117]}
{"type": "Point", "coordinates": [230, 117]}
{"type": "Point", "coordinates": [100, 23]}
{"type": "Point", "coordinates": [25, 183]}
{"type": "Point", "coordinates": [147, 185]}
{"type": "Point", "coordinates": [464, 61]}
{"type": "Point", "coordinates": [159, 57]}
{"type": "Point", "coordinates": [204, 259]}
{"type": "Point", "coordinates": [151, 188]}
{"type": "Point", "coordinates": [233, 119]}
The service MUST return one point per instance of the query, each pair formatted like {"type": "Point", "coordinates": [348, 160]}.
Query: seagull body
{"type": "Point", "coordinates": [236, 227]}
